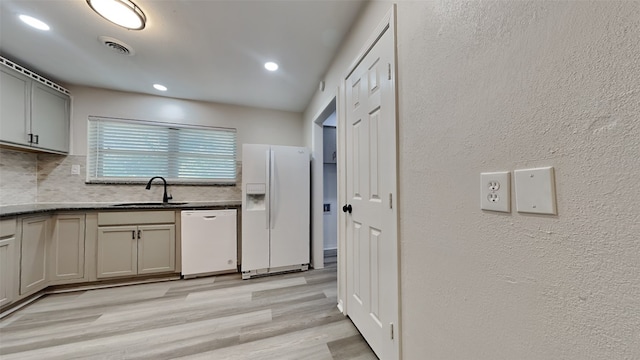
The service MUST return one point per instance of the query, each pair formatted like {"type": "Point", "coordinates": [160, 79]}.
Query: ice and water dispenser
{"type": "Point", "coordinates": [256, 197]}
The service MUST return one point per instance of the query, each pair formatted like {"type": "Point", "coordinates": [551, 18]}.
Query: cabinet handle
{"type": "Point", "coordinates": [139, 232]}
{"type": "Point", "coordinates": [133, 234]}
{"type": "Point", "coordinates": [30, 138]}
{"type": "Point", "coordinates": [37, 139]}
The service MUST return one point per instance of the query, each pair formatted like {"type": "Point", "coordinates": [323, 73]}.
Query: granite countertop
{"type": "Point", "coordinates": [13, 210]}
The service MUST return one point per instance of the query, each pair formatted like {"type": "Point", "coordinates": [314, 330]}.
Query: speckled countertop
{"type": "Point", "coordinates": [14, 210]}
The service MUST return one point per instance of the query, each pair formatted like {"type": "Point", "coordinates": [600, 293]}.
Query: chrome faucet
{"type": "Point", "coordinates": [165, 197]}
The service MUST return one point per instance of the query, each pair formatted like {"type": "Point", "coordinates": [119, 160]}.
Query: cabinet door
{"type": "Point", "coordinates": [7, 273]}
{"type": "Point", "coordinates": [117, 253]}
{"type": "Point", "coordinates": [66, 252]}
{"type": "Point", "coordinates": [156, 249]}
{"type": "Point", "coordinates": [33, 261]}
{"type": "Point", "coordinates": [49, 118]}
{"type": "Point", "coordinates": [14, 100]}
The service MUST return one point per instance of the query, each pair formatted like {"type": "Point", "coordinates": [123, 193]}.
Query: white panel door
{"type": "Point", "coordinates": [289, 206]}
{"type": "Point", "coordinates": [372, 267]}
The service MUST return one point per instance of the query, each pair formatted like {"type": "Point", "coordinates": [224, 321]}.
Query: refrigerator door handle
{"type": "Point", "coordinates": [267, 213]}
{"type": "Point", "coordinates": [272, 188]}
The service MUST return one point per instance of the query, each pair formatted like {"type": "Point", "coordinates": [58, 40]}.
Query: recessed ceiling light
{"type": "Point", "coordinates": [120, 12]}
{"type": "Point", "coordinates": [271, 66]}
{"type": "Point", "coordinates": [160, 87]}
{"type": "Point", "coordinates": [33, 22]}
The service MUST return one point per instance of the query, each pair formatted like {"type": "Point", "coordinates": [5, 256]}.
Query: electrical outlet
{"type": "Point", "coordinates": [495, 191]}
{"type": "Point", "coordinates": [494, 185]}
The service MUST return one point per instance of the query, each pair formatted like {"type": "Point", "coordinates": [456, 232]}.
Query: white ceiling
{"type": "Point", "coordinates": [209, 50]}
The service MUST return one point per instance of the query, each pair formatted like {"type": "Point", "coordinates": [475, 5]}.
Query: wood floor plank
{"type": "Point", "coordinates": [99, 346]}
{"type": "Point", "coordinates": [351, 348]}
{"type": "Point", "coordinates": [286, 316]}
{"type": "Point", "coordinates": [286, 346]}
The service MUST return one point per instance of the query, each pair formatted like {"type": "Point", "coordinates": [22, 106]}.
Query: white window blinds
{"type": "Point", "coordinates": [135, 151]}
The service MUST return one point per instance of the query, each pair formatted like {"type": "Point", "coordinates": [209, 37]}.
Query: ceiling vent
{"type": "Point", "coordinates": [116, 45]}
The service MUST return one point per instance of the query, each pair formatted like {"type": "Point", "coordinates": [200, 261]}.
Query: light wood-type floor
{"type": "Point", "coordinates": [290, 316]}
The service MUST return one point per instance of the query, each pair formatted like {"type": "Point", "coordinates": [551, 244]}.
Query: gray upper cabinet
{"type": "Point", "coordinates": [32, 115]}
{"type": "Point", "coordinates": [49, 118]}
{"type": "Point", "coordinates": [14, 109]}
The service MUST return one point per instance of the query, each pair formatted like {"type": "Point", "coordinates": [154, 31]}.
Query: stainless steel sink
{"type": "Point", "coordinates": [149, 204]}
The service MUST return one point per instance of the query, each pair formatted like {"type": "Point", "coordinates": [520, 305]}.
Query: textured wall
{"type": "Point", "coordinates": [487, 86]}
{"type": "Point", "coordinates": [253, 125]}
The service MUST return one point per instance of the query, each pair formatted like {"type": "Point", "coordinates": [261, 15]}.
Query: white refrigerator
{"type": "Point", "coordinates": [276, 193]}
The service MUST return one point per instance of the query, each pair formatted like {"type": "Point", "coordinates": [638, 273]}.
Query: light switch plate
{"type": "Point", "coordinates": [495, 191]}
{"type": "Point", "coordinates": [536, 191]}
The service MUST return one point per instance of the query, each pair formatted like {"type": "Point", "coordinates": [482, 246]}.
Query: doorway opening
{"type": "Point", "coordinates": [330, 189]}
{"type": "Point", "coordinates": [325, 187]}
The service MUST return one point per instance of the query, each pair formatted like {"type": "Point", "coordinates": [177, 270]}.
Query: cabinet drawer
{"type": "Point", "coordinates": [136, 217]}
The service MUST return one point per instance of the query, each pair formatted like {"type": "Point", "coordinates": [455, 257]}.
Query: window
{"type": "Point", "coordinates": [121, 151]}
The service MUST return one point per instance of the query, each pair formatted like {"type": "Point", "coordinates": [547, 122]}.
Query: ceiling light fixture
{"type": "Point", "coordinates": [271, 66]}
{"type": "Point", "coordinates": [33, 22]}
{"type": "Point", "coordinates": [120, 12]}
{"type": "Point", "coordinates": [160, 87]}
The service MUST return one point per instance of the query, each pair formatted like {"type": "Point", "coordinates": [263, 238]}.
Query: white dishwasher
{"type": "Point", "coordinates": [209, 242]}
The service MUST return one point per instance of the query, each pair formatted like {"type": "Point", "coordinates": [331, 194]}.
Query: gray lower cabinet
{"type": "Point", "coordinates": [135, 250]}
{"type": "Point", "coordinates": [8, 261]}
{"type": "Point", "coordinates": [72, 248]}
{"type": "Point", "coordinates": [67, 249]}
{"type": "Point", "coordinates": [33, 254]}
{"type": "Point", "coordinates": [156, 249]}
{"type": "Point", "coordinates": [117, 251]}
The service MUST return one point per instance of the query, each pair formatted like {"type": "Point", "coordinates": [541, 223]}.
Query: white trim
{"type": "Point", "coordinates": [317, 214]}
{"type": "Point", "coordinates": [386, 23]}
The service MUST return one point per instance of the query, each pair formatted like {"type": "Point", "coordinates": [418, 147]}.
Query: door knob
{"type": "Point", "coordinates": [347, 208]}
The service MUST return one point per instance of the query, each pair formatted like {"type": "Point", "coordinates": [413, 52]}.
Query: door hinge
{"type": "Point", "coordinates": [391, 331]}
{"type": "Point", "coordinates": [390, 201]}
{"type": "Point", "coordinates": [389, 71]}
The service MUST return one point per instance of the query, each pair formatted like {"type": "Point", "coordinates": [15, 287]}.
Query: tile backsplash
{"type": "Point", "coordinates": [46, 178]}
{"type": "Point", "coordinates": [18, 177]}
